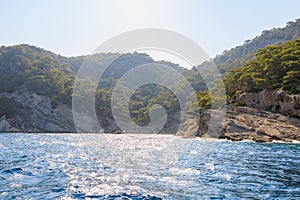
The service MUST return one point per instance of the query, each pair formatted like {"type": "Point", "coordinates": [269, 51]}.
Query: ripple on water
{"type": "Point", "coordinates": [53, 166]}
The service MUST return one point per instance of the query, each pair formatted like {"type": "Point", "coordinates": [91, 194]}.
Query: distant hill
{"type": "Point", "coordinates": [239, 55]}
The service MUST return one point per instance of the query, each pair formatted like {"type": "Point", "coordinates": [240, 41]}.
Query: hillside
{"type": "Point", "coordinates": [275, 66]}
{"type": "Point", "coordinates": [31, 71]}
{"type": "Point", "coordinates": [239, 55]}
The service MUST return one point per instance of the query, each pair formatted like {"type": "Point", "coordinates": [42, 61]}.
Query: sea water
{"type": "Point", "coordinates": [137, 166]}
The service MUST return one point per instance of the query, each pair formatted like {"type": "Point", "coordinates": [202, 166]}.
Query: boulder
{"type": "Point", "coordinates": [265, 99]}
{"type": "Point", "coordinates": [249, 99]}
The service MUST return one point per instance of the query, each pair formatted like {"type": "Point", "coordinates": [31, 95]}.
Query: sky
{"type": "Point", "coordinates": [77, 27]}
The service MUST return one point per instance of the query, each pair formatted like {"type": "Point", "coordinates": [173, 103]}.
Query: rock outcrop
{"type": "Point", "coordinates": [276, 101]}
{"type": "Point", "coordinates": [245, 123]}
{"type": "Point", "coordinates": [34, 113]}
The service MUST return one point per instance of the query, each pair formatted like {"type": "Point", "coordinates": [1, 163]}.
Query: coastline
{"type": "Point", "coordinates": [128, 134]}
{"type": "Point", "coordinates": [242, 123]}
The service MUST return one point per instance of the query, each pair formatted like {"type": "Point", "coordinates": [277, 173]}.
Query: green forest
{"type": "Point", "coordinates": [275, 66]}
{"type": "Point", "coordinates": [25, 67]}
{"type": "Point", "coordinates": [240, 55]}
{"type": "Point", "coordinates": [246, 68]}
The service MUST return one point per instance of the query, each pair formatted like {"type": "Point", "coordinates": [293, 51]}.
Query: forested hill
{"type": "Point", "coordinates": [240, 55]}
{"type": "Point", "coordinates": [275, 66]}
{"type": "Point", "coordinates": [37, 70]}
{"type": "Point", "coordinates": [29, 68]}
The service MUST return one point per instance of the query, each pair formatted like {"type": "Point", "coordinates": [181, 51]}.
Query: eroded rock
{"type": "Point", "coordinates": [277, 100]}
{"type": "Point", "coordinates": [244, 123]}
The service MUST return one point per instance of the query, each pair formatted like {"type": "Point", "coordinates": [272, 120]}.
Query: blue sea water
{"type": "Point", "coordinates": [91, 166]}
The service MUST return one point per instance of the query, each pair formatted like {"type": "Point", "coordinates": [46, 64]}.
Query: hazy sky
{"type": "Point", "coordinates": [75, 27]}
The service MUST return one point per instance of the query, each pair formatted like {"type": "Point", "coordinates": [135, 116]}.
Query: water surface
{"type": "Point", "coordinates": [71, 166]}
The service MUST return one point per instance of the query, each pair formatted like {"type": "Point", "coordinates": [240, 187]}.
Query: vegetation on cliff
{"type": "Point", "coordinates": [37, 70]}
{"type": "Point", "coordinates": [276, 66]}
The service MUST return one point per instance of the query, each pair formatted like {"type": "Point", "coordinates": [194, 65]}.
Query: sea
{"type": "Point", "coordinates": [141, 166]}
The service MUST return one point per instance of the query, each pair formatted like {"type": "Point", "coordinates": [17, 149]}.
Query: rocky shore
{"type": "Point", "coordinates": [265, 116]}
{"type": "Point", "coordinates": [244, 123]}
{"type": "Point", "coordinates": [251, 121]}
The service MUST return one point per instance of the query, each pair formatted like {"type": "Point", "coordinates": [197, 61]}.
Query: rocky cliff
{"type": "Point", "coordinates": [34, 113]}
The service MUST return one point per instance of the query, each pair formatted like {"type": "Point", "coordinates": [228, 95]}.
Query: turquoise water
{"type": "Point", "coordinates": [71, 166]}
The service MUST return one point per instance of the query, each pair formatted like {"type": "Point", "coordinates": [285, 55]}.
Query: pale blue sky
{"type": "Point", "coordinates": [75, 27]}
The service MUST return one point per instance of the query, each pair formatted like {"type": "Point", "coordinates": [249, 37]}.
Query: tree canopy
{"type": "Point", "coordinates": [276, 66]}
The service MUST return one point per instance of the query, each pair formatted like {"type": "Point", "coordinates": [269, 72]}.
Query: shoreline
{"type": "Point", "coordinates": [241, 123]}
{"type": "Point", "coordinates": [132, 134]}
